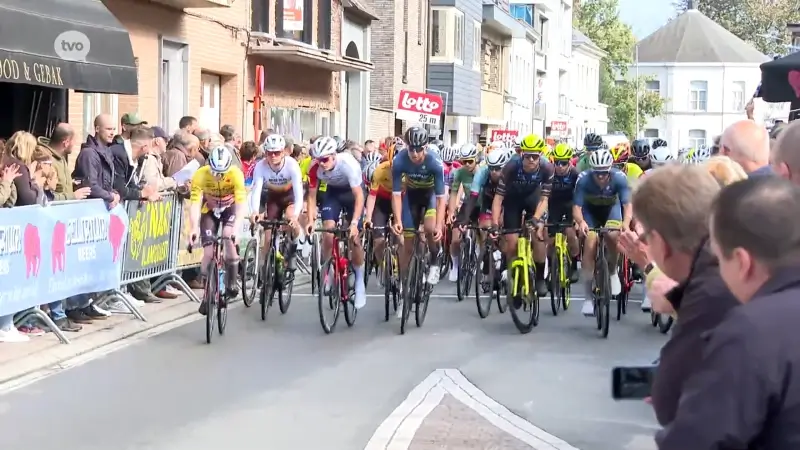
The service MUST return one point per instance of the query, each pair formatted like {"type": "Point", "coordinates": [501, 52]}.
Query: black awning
{"type": "Point", "coordinates": [32, 36]}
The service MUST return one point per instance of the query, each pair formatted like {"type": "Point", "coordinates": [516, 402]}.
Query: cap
{"type": "Point", "coordinates": [132, 119]}
{"type": "Point", "coordinates": [160, 133]}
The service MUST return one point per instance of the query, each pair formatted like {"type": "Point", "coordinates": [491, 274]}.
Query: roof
{"type": "Point", "coordinates": [694, 38]}
{"type": "Point", "coordinates": [579, 38]}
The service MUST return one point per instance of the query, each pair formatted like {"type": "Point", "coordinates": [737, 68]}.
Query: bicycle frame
{"type": "Point", "coordinates": [341, 267]}
{"type": "Point", "coordinates": [524, 260]}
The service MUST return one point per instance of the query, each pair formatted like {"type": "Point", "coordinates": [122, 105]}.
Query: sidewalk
{"type": "Point", "coordinates": [46, 352]}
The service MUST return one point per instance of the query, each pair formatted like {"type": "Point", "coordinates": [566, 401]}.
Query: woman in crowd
{"type": "Point", "coordinates": [19, 151]}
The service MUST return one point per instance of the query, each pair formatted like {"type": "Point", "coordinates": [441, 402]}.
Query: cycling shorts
{"type": "Point", "coordinates": [338, 201]}
{"type": "Point", "coordinates": [609, 216]}
{"type": "Point", "coordinates": [559, 213]}
{"type": "Point", "coordinates": [513, 208]}
{"type": "Point", "coordinates": [381, 213]}
{"type": "Point", "coordinates": [274, 203]}
{"type": "Point", "coordinates": [211, 220]}
{"type": "Point", "coordinates": [417, 203]}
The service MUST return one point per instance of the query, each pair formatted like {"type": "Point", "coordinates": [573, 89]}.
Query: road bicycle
{"type": "Point", "coordinates": [467, 262]}
{"type": "Point", "coordinates": [445, 259]}
{"type": "Point", "coordinates": [249, 274]}
{"type": "Point", "coordinates": [336, 288]}
{"type": "Point", "coordinates": [274, 276]}
{"type": "Point", "coordinates": [601, 292]}
{"type": "Point", "coordinates": [559, 263]}
{"type": "Point", "coordinates": [522, 297]}
{"type": "Point", "coordinates": [416, 290]}
{"type": "Point", "coordinates": [626, 281]}
{"type": "Point", "coordinates": [214, 291]}
{"type": "Point", "coordinates": [487, 279]}
{"type": "Point", "coordinates": [387, 271]}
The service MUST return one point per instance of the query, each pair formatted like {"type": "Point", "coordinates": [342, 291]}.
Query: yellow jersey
{"type": "Point", "coordinates": [305, 167]}
{"type": "Point", "coordinates": [633, 172]}
{"type": "Point", "coordinates": [217, 192]}
{"type": "Point", "coordinates": [381, 185]}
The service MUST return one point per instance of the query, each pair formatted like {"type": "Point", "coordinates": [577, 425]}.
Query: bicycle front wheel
{"type": "Point", "coordinates": [268, 283]}
{"type": "Point", "coordinates": [329, 302]}
{"type": "Point", "coordinates": [315, 263]}
{"type": "Point", "coordinates": [524, 308]}
{"type": "Point", "coordinates": [287, 282]}
{"type": "Point", "coordinates": [350, 311]}
{"type": "Point", "coordinates": [249, 273]}
{"type": "Point", "coordinates": [222, 311]}
{"type": "Point", "coordinates": [409, 291]}
{"type": "Point", "coordinates": [423, 297]}
{"type": "Point", "coordinates": [210, 298]}
{"type": "Point", "coordinates": [369, 259]}
{"type": "Point", "coordinates": [603, 301]}
{"type": "Point", "coordinates": [555, 280]}
{"type": "Point", "coordinates": [485, 282]}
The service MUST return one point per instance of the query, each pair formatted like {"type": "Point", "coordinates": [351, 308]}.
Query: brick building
{"type": "Point", "coordinates": [399, 52]}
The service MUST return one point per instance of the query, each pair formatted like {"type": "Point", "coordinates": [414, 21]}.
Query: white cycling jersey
{"type": "Point", "coordinates": [346, 173]}
{"type": "Point", "coordinates": [274, 179]}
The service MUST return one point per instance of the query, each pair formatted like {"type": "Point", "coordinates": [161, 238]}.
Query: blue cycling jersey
{"type": "Point", "coordinates": [563, 190]}
{"type": "Point", "coordinates": [480, 179]}
{"type": "Point", "coordinates": [429, 174]}
{"type": "Point", "coordinates": [589, 193]}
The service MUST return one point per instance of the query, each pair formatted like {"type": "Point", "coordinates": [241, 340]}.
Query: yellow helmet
{"type": "Point", "coordinates": [562, 152]}
{"type": "Point", "coordinates": [532, 144]}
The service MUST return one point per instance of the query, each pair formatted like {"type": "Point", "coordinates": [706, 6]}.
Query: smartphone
{"type": "Point", "coordinates": [632, 382]}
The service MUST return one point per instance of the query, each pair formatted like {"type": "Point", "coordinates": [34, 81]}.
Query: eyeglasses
{"type": "Point", "coordinates": [562, 163]}
{"type": "Point", "coordinates": [495, 169]}
{"type": "Point", "coordinates": [640, 158]}
{"type": "Point", "coordinates": [533, 156]}
{"type": "Point", "coordinates": [467, 161]}
{"type": "Point", "coordinates": [601, 173]}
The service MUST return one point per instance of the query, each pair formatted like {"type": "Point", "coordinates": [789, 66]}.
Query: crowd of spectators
{"type": "Point", "coordinates": [726, 253]}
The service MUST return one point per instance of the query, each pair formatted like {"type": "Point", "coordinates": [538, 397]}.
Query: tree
{"type": "Point", "coordinates": [622, 105]}
{"type": "Point", "coordinates": [599, 21]}
{"type": "Point", "coordinates": [762, 23]}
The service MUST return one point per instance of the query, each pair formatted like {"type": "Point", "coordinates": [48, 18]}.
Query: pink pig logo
{"type": "Point", "coordinates": [794, 82]}
{"type": "Point", "coordinates": [116, 231]}
{"type": "Point", "coordinates": [32, 250]}
{"type": "Point", "coordinates": [59, 247]}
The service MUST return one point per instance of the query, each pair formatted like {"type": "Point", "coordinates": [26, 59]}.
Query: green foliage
{"type": "Point", "coordinates": [762, 23]}
{"type": "Point", "coordinates": [599, 21]}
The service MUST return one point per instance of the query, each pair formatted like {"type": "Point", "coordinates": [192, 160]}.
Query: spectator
{"type": "Point", "coordinates": [187, 124]}
{"type": "Point", "coordinates": [44, 175]}
{"type": "Point", "coordinates": [249, 155]}
{"type": "Point", "coordinates": [185, 147]}
{"type": "Point", "coordinates": [747, 143]}
{"type": "Point", "coordinates": [130, 121]}
{"type": "Point", "coordinates": [671, 204]}
{"type": "Point", "coordinates": [152, 169]}
{"type": "Point", "coordinates": [263, 136]}
{"type": "Point", "coordinates": [369, 147]}
{"type": "Point", "coordinates": [785, 156]}
{"type": "Point", "coordinates": [289, 144]}
{"type": "Point", "coordinates": [204, 136]}
{"type": "Point", "coordinates": [228, 135]}
{"type": "Point", "coordinates": [744, 393]}
{"type": "Point", "coordinates": [19, 151]}
{"type": "Point", "coordinates": [60, 147]}
{"type": "Point", "coordinates": [94, 167]}
{"type": "Point", "coordinates": [8, 192]}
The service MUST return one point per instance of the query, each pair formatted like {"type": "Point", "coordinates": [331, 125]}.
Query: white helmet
{"type": "Point", "coordinates": [324, 146]}
{"type": "Point", "coordinates": [373, 157]}
{"type": "Point", "coordinates": [468, 151]}
{"type": "Point", "coordinates": [370, 169]}
{"type": "Point", "coordinates": [448, 154]}
{"type": "Point", "coordinates": [220, 159]}
{"type": "Point", "coordinates": [702, 154]}
{"type": "Point", "coordinates": [498, 158]}
{"type": "Point", "coordinates": [274, 142]}
{"type": "Point", "coordinates": [601, 159]}
{"type": "Point", "coordinates": [660, 156]}
{"type": "Point", "coordinates": [433, 149]}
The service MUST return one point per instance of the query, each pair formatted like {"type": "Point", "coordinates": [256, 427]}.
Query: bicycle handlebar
{"type": "Point", "coordinates": [216, 239]}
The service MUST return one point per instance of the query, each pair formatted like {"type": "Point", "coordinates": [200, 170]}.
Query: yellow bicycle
{"type": "Point", "coordinates": [523, 300]}
{"type": "Point", "coordinates": [559, 262]}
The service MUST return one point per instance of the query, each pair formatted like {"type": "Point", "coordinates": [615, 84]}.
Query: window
{"type": "Point", "coordinates": [476, 45]}
{"type": "Point", "coordinates": [737, 96]}
{"type": "Point", "coordinates": [698, 96]}
{"type": "Point", "coordinates": [447, 35]}
{"type": "Point", "coordinates": [654, 86]}
{"type": "Point", "coordinates": [697, 138]}
{"type": "Point", "coordinates": [523, 13]}
{"type": "Point", "coordinates": [419, 23]}
{"type": "Point", "coordinates": [96, 104]}
{"type": "Point", "coordinates": [651, 133]}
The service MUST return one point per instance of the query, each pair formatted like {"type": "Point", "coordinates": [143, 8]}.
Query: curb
{"type": "Point", "coordinates": [53, 361]}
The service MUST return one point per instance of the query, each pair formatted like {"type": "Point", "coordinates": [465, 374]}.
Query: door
{"type": "Point", "coordinates": [209, 102]}
{"type": "Point", "coordinates": [174, 88]}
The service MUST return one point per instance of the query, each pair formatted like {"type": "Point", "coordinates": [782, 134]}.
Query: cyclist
{"type": "Point", "coordinates": [342, 174]}
{"type": "Point", "coordinates": [621, 153]}
{"type": "Point", "coordinates": [482, 190]}
{"type": "Point", "coordinates": [592, 142]}
{"type": "Point", "coordinates": [602, 199]}
{"type": "Point", "coordinates": [560, 204]}
{"type": "Point", "coordinates": [526, 182]}
{"type": "Point", "coordinates": [424, 196]}
{"type": "Point", "coordinates": [462, 177]}
{"type": "Point", "coordinates": [659, 157]}
{"type": "Point", "coordinates": [218, 198]}
{"type": "Point", "coordinates": [282, 181]}
{"type": "Point", "coordinates": [379, 202]}
{"type": "Point", "coordinates": [640, 153]}
{"type": "Point", "coordinates": [658, 143]}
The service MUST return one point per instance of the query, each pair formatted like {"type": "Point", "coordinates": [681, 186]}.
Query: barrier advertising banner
{"type": "Point", "coordinates": [150, 225]}
{"type": "Point", "coordinates": [54, 252]}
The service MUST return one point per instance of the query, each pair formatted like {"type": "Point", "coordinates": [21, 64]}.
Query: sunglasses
{"type": "Point", "coordinates": [416, 149]}
{"type": "Point", "coordinates": [324, 159]}
{"type": "Point", "coordinates": [495, 169]}
{"type": "Point", "coordinates": [601, 173]}
{"type": "Point", "coordinates": [640, 158]}
{"type": "Point", "coordinates": [274, 152]}
{"type": "Point", "coordinates": [533, 156]}
{"type": "Point", "coordinates": [467, 161]}
{"type": "Point", "coordinates": [562, 163]}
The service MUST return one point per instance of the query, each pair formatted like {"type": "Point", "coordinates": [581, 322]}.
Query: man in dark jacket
{"type": "Point", "coordinates": [745, 391]}
{"type": "Point", "coordinates": [95, 164]}
{"type": "Point", "coordinates": [672, 206]}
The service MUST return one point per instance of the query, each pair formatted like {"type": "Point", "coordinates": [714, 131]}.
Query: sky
{"type": "Point", "coordinates": [645, 16]}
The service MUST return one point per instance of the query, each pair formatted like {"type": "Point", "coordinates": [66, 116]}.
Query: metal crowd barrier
{"type": "Point", "coordinates": [155, 249]}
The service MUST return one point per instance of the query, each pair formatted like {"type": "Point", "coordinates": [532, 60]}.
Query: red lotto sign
{"type": "Point", "coordinates": [504, 135]}
{"type": "Point", "coordinates": [559, 126]}
{"type": "Point", "coordinates": [418, 107]}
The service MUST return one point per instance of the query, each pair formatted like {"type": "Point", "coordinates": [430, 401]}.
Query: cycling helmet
{"type": "Point", "coordinates": [562, 152]}
{"type": "Point", "coordinates": [324, 146]}
{"type": "Point", "coordinates": [498, 159]}
{"type": "Point", "coordinates": [416, 137]}
{"type": "Point", "coordinates": [660, 156]}
{"type": "Point", "coordinates": [601, 160]}
{"type": "Point", "coordinates": [340, 144]}
{"type": "Point", "coordinates": [369, 171]}
{"type": "Point", "coordinates": [532, 144]}
{"type": "Point", "coordinates": [701, 154]}
{"type": "Point", "coordinates": [468, 151]}
{"type": "Point", "coordinates": [593, 141]}
{"type": "Point", "coordinates": [437, 142]}
{"type": "Point", "coordinates": [274, 142]}
{"type": "Point", "coordinates": [220, 159]}
{"type": "Point", "coordinates": [640, 148]}
{"type": "Point", "coordinates": [373, 158]}
{"type": "Point", "coordinates": [434, 150]}
{"type": "Point", "coordinates": [659, 143]}
{"type": "Point", "coordinates": [621, 152]}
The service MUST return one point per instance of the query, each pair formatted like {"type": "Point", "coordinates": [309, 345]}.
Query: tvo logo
{"type": "Point", "coordinates": [419, 102]}
{"type": "Point", "coordinates": [72, 45]}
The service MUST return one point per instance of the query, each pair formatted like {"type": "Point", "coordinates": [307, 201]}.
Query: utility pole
{"type": "Point", "coordinates": [636, 61]}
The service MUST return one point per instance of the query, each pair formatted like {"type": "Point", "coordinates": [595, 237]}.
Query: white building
{"type": "Point", "coordinates": [705, 74]}
{"type": "Point", "coordinates": [519, 108]}
{"type": "Point", "coordinates": [587, 114]}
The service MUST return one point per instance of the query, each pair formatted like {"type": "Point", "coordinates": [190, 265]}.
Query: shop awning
{"type": "Point", "coordinates": [67, 44]}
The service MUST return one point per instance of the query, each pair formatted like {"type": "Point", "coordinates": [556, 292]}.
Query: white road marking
{"type": "Point", "coordinates": [398, 429]}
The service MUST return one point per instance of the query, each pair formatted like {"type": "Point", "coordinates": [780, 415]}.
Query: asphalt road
{"type": "Point", "coordinates": [284, 384]}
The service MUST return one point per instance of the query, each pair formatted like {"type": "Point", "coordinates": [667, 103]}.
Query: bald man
{"type": "Point", "coordinates": [104, 129]}
{"type": "Point", "coordinates": [785, 156]}
{"type": "Point", "coordinates": [747, 143]}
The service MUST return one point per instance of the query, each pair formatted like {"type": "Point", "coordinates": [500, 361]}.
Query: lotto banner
{"type": "Point", "coordinates": [54, 252]}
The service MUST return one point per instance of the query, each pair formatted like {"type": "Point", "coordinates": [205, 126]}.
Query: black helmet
{"type": "Point", "coordinates": [659, 143]}
{"type": "Point", "coordinates": [592, 141]}
{"type": "Point", "coordinates": [416, 137]}
{"type": "Point", "coordinates": [640, 148]}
